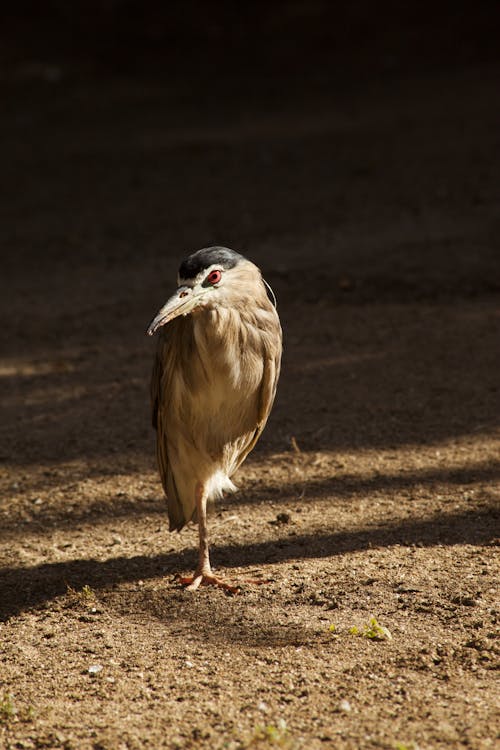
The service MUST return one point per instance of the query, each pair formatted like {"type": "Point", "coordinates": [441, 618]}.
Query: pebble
{"type": "Point", "coordinates": [345, 706]}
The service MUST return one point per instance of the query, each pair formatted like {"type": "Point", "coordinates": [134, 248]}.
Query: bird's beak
{"type": "Point", "coordinates": [181, 303]}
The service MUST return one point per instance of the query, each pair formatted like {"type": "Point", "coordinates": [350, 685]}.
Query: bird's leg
{"type": "Point", "coordinates": [204, 568]}
{"type": "Point", "coordinates": [203, 574]}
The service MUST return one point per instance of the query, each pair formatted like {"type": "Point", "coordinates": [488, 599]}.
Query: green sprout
{"type": "Point", "coordinates": [377, 632]}
{"type": "Point", "coordinates": [373, 630]}
{"type": "Point", "coordinates": [86, 595]}
{"type": "Point", "coordinates": [7, 708]}
{"type": "Point", "coordinates": [10, 712]}
{"type": "Point", "coordinates": [270, 735]}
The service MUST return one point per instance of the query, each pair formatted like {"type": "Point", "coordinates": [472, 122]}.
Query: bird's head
{"type": "Point", "coordinates": [208, 278]}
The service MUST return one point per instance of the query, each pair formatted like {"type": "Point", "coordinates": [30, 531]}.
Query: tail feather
{"type": "Point", "coordinates": [218, 484]}
{"type": "Point", "coordinates": [177, 511]}
{"type": "Point", "coordinates": [181, 500]}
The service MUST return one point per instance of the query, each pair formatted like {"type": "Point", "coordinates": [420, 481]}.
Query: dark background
{"type": "Point", "coordinates": [294, 37]}
{"type": "Point", "coordinates": [351, 149]}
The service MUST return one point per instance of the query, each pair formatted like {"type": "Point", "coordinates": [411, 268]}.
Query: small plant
{"type": "Point", "coordinates": [10, 712]}
{"type": "Point", "coordinates": [377, 632]}
{"type": "Point", "coordinates": [7, 708]}
{"type": "Point", "coordinates": [373, 630]}
{"type": "Point", "coordinates": [86, 595]}
{"type": "Point", "coordinates": [270, 735]}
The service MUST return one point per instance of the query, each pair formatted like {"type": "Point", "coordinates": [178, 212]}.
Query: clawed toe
{"type": "Point", "coordinates": [192, 583]}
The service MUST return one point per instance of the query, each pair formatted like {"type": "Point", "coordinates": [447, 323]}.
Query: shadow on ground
{"type": "Point", "coordinates": [327, 489]}
{"type": "Point", "coordinates": [24, 588]}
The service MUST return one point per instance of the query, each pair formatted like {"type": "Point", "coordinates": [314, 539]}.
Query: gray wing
{"type": "Point", "coordinates": [160, 391]}
{"type": "Point", "coordinates": [267, 393]}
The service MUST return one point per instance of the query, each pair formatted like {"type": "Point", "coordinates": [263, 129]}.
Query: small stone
{"type": "Point", "coordinates": [95, 669]}
{"type": "Point", "coordinates": [345, 706]}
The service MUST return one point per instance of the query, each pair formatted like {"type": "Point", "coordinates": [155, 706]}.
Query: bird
{"type": "Point", "coordinates": [213, 385]}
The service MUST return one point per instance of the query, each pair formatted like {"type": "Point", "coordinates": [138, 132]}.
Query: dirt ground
{"type": "Point", "coordinates": [373, 493]}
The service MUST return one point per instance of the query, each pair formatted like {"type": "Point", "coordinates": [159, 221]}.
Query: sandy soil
{"type": "Point", "coordinates": [374, 490]}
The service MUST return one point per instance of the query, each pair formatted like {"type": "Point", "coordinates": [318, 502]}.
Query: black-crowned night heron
{"type": "Point", "coordinates": [213, 384]}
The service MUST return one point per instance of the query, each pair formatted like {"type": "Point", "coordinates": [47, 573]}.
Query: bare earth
{"type": "Point", "coordinates": [374, 490]}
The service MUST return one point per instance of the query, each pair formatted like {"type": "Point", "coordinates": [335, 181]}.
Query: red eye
{"type": "Point", "coordinates": [214, 277]}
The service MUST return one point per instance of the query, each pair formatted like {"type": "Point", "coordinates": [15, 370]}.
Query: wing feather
{"type": "Point", "coordinates": [180, 505]}
{"type": "Point", "coordinates": [267, 393]}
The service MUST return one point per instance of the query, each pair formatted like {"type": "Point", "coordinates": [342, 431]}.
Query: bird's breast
{"type": "Point", "coordinates": [216, 386]}
{"type": "Point", "coordinates": [213, 385]}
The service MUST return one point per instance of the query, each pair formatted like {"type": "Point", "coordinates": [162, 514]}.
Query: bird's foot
{"type": "Point", "coordinates": [207, 579]}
